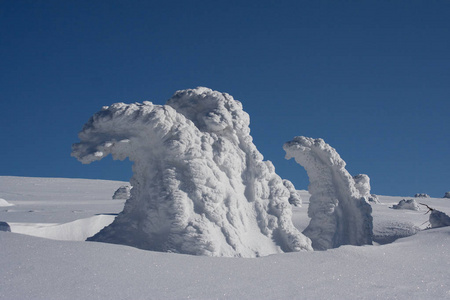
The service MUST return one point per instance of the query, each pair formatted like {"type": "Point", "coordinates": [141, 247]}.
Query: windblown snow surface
{"type": "Point", "coordinates": [200, 186]}
{"type": "Point", "coordinates": [413, 267]}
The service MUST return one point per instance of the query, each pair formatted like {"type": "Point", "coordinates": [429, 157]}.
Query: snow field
{"type": "Point", "coordinates": [415, 267]}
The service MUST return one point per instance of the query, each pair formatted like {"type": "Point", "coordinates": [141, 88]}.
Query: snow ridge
{"type": "Point", "coordinates": [200, 186]}
{"type": "Point", "coordinates": [340, 214]}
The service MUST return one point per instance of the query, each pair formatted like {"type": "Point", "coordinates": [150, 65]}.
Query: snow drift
{"type": "Point", "coordinates": [200, 186]}
{"type": "Point", "coordinates": [4, 203]}
{"type": "Point", "coordinates": [339, 214]}
{"type": "Point", "coordinates": [407, 204]}
{"type": "Point", "coordinates": [439, 219]}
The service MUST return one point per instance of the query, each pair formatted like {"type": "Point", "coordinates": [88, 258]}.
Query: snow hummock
{"type": "Point", "coordinates": [340, 215]}
{"type": "Point", "coordinates": [447, 195]}
{"type": "Point", "coordinates": [123, 192]}
{"type": "Point", "coordinates": [420, 195]}
{"type": "Point", "coordinates": [200, 186]}
{"type": "Point", "coordinates": [4, 203]}
{"type": "Point", "coordinates": [407, 204]}
{"type": "Point", "coordinates": [439, 219]}
{"type": "Point", "coordinates": [294, 198]}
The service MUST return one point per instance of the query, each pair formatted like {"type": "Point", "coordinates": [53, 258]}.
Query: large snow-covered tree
{"type": "Point", "coordinates": [200, 186]}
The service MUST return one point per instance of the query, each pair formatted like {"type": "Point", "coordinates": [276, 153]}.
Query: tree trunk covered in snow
{"type": "Point", "coordinates": [339, 214]}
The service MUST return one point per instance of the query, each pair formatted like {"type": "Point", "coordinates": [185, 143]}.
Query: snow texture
{"type": "Point", "coordinates": [340, 215]}
{"type": "Point", "coordinates": [295, 198]}
{"type": "Point", "coordinates": [447, 195]}
{"type": "Point", "coordinates": [124, 192]}
{"type": "Point", "coordinates": [200, 186]}
{"type": "Point", "coordinates": [410, 204]}
{"type": "Point", "coordinates": [422, 196]}
{"type": "Point", "coordinates": [439, 219]}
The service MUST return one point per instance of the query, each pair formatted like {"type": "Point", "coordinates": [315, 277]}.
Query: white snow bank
{"type": "Point", "coordinates": [339, 214]}
{"type": "Point", "coordinates": [200, 186]}
{"type": "Point", "coordinates": [407, 204]}
{"type": "Point", "coordinates": [78, 230]}
{"type": "Point", "coordinates": [294, 198]}
{"type": "Point", "coordinates": [123, 192]}
{"type": "Point", "coordinates": [447, 195]}
{"type": "Point", "coordinates": [4, 203]}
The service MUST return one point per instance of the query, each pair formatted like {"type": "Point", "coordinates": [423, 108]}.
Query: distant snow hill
{"type": "Point", "coordinates": [37, 268]}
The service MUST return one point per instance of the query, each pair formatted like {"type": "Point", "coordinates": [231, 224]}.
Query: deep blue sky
{"type": "Point", "coordinates": [372, 78]}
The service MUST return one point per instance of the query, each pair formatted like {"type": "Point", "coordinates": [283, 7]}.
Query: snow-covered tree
{"type": "Point", "coordinates": [200, 186]}
{"type": "Point", "coordinates": [339, 214]}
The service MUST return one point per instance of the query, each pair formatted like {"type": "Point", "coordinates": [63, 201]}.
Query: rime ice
{"type": "Point", "coordinates": [340, 214]}
{"type": "Point", "coordinates": [200, 186]}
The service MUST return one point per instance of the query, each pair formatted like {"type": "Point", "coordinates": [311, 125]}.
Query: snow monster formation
{"type": "Point", "coordinates": [200, 186]}
{"type": "Point", "coordinates": [339, 214]}
{"type": "Point", "coordinates": [362, 184]}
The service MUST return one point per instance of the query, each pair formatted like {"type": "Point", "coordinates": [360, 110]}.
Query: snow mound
{"type": "Point", "coordinates": [439, 219]}
{"type": "Point", "coordinates": [421, 196]}
{"type": "Point", "coordinates": [340, 215]}
{"type": "Point", "coordinates": [200, 186]}
{"type": "Point", "coordinates": [4, 226]}
{"type": "Point", "coordinates": [410, 204]}
{"type": "Point", "coordinates": [122, 192]}
{"type": "Point", "coordinates": [447, 195]}
{"type": "Point", "coordinates": [294, 198]}
{"type": "Point", "coordinates": [4, 203]}
{"type": "Point", "coordinates": [389, 231]}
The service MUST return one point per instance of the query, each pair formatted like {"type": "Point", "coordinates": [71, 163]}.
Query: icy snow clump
{"type": "Point", "coordinates": [122, 192]}
{"type": "Point", "coordinates": [362, 184]}
{"type": "Point", "coordinates": [294, 198]}
{"type": "Point", "coordinates": [422, 196]}
{"type": "Point", "coordinates": [410, 204]}
{"type": "Point", "coordinates": [439, 219]}
{"type": "Point", "coordinates": [447, 195]}
{"type": "Point", "coordinates": [340, 215]}
{"type": "Point", "coordinates": [200, 186]}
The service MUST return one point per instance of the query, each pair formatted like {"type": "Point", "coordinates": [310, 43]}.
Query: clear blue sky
{"type": "Point", "coordinates": [372, 78]}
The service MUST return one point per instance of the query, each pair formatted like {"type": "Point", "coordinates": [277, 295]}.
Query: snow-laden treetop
{"type": "Point", "coordinates": [200, 186]}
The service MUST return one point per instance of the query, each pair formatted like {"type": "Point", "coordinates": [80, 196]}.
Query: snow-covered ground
{"type": "Point", "coordinates": [63, 266]}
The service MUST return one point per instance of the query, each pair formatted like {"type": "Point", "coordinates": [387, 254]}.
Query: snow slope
{"type": "Point", "coordinates": [415, 267]}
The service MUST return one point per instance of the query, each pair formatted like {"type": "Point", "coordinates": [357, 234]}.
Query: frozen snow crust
{"type": "Point", "coordinates": [200, 186]}
{"type": "Point", "coordinates": [340, 214]}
